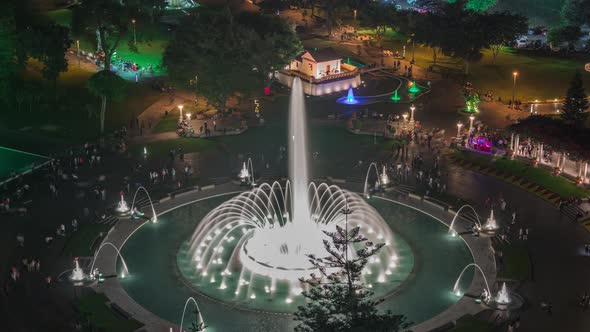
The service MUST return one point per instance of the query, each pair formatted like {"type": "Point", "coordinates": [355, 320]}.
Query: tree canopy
{"type": "Point", "coordinates": [226, 54]}
{"type": "Point", "coordinates": [576, 12]}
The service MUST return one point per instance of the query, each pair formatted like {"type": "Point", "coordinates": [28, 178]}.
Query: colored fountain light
{"type": "Point", "coordinates": [491, 224]}
{"type": "Point", "coordinates": [257, 242]}
{"type": "Point", "coordinates": [395, 96]}
{"type": "Point", "coordinates": [503, 297]}
{"type": "Point", "coordinates": [350, 97]}
{"type": "Point", "coordinates": [77, 273]}
{"type": "Point", "coordinates": [414, 87]}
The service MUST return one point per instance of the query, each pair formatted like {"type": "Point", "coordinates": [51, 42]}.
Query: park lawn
{"type": "Point", "coordinates": [517, 264]}
{"type": "Point", "coordinates": [469, 323]}
{"type": "Point", "coordinates": [540, 77]}
{"type": "Point", "coordinates": [151, 40]}
{"type": "Point", "coordinates": [162, 148]}
{"type": "Point", "coordinates": [79, 243]}
{"type": "Point", "coordinates": [168, 123]}
{"type": "Point", "coordinates": [537, 175]}
{"type": "Point", "coordinates": [102, 317]}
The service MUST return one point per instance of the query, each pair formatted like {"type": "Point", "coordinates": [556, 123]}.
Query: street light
{"type": "Point", "coordinates": [405, 115]}
{"type": "Point", "coordinates": [459, 125]}
{"type": "Point", "coordinates": [413, 49]}
{"type": "Point", "coordinates": [180, 108]}
{"type": "Point", "coordinates": [134, 35]}
{"type": "Point", "coordinates": [471, 118]}
{"type": "Point", "coordinates": [412, 108]}
{"type": "Point", "coordinates": [188, 116]}
{"type": "Point", "coordinates": [78, 50]}
{"type": "Point", "coordinates": [514, 75]}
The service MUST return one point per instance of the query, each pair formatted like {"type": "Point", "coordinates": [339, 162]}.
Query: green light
{"type": "Point", "coordinates": [395, 97]}
{"type": "Point", "coordinates": [471, 103]}
{"type": "Point", "coordinates": [414, 88]}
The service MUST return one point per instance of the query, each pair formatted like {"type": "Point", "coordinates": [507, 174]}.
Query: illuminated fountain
{"type": "Point", "coordinates": [246, 174]}
{"type": "Point", "coordinates": [384, 177]}
{"type": "Point", "coordinates": [349, 99]}
{"type": "Point", "coordinates": [257, 242]}
{"type": "Point", "coordinates": [503, 297]}
{"type": "Point", "coordinates": [77, 273]}
{"type": "Point", "coordinates": [395, 97]}
{"type": "Point", "coordinates": [491, 226]}
{"type": "Point", "coordinates": [122, 207]}
{"type": "Point", "coordinates": [414, 88]}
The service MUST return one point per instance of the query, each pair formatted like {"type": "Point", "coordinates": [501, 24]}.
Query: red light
{"type": "Point", "coordinates": [267, 90]}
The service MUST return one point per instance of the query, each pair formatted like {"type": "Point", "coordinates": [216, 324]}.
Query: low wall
{"type": "Point", "coordinates": [323, 88]}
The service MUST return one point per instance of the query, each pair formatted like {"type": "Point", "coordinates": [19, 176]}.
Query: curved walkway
{"type": "Point", "coordinates": [480, 248]}
{"type": "Point", "coordinates": [560, 270]}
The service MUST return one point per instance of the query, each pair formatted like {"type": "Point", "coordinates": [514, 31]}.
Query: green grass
{"type": "Point", "coordinates": [537, 175]}
{"type": "Point", "coordinates": [79, 242]}
{"type": "Point", "coordinates": [102, 317]}
{"type": "Point", "coordinates": [517, 265]}
{"type": "Point", "coordinates": [151, 39]}
{"type": "Point", "coordinates": [469, 323]}
{"type": "Point", "coordinates": [540, 77]}
{"type": "Point", "coordinates": [168, 123]}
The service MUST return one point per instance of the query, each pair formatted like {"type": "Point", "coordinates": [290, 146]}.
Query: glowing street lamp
{"type": "Point", "coordinates": [459, 125]}
{"type": "Point", "coordinates": [78, 50]}
{"type": "Point", "coordinates": [471, 118]}
{"type": "Point", "coordinates": [134, 35]}
{"type": "Point", "coordinates": [180, 108]}
{"type": "Point", "coordinates": [412, 108]}
{"type": "Point", "coordinates": [405, 115]}
{"type": "Point", "coordinates": [188, 116]}
{"type": "Point", "coordinates": [514, 75]}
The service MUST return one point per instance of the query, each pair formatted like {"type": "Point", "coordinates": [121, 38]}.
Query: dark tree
{"type": "Point", "coordinates": [338, 301]}
{"type": "Point", "coordinates": [564, 34]}
{"type": "Point", "coordinates": [48, 44]}
{"type": "Point", "coordinates": [9, 66]}
{"type": "Point", "coordinates": [576, 102]}
{"type": "Point", "coordinates": [503, 28]}
{"type": "Point", "coordinates": [576, 12]}
{"type": "Point", "coordinates": [106, 85]}
{"type": "Point", "coordinates": [379, 17]}
{"type": "Point", "coordinates": [108, 20]}
{"type": "Point", "coordinates": [227, 54]}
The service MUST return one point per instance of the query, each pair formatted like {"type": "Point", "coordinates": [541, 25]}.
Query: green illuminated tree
{"type": "Point", "coordinates": [576, 102]}
{"type": "Point", "coordinates": [478, 5]}
{"type": "Point", "coordinates": [337, 300]}
{"type": "Point", "coordinates": [106, 85]}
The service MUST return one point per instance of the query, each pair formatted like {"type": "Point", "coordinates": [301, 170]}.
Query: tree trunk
{"type": "Point", "coordinates": [103, 110]}
{"type": "Point", "coordinates": [466, 67]}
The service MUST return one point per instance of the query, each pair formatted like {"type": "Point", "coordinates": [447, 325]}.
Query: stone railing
{"type": "Point", "coordinates": [312, 79]}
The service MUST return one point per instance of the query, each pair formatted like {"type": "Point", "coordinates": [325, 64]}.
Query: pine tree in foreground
{"type": "Point", "coordinates": [337, 300]}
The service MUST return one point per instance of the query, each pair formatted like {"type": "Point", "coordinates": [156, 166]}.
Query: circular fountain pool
{"type": "Point", "coordinates": [428, 261]}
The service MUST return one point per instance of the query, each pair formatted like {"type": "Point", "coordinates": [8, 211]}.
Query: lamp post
{"type": "Point", "coordinates": [405, 115]}
{"type": "Point", "coordinates": [134, 35]}
{"type": "Point", "coordinates": [78, 50]}
{"type": "Point", "coordinates": [514, 75]}
{"type": "Point", "coordinates": [471, 118]}
{"type": "Point", "coordinates": [180, 108]}
{"type": "Point", "coordinates": [412, 109]}
{"type": "Point", "coordinates": [459, 125]}
{"type": "Point", "coordinates": [413, 49]}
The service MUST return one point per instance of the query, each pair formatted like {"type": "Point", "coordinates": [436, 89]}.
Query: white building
{"type": "Point", "coordinates": [322, 72]}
